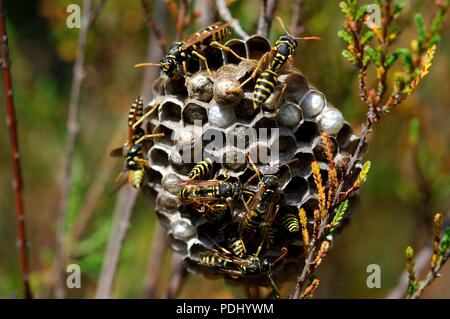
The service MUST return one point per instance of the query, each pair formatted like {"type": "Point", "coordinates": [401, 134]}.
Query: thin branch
{"type": "Point", "coordinates": [268, 8]}
{"type": "Point", "coordinates": [157, 251]}
{"type": "Point", "coordinates": [122, 216]}
{"type": "Point", "coordinates": [178, 276]}
{"type": "Point", "coordinates": [182, 13]}
{"type": "Point", "coordinates": [297, 14]}
{"type": "Point", "coordinates": [72, 131]}
{"type": "Point", "coordinates": [208, 11]}
{"type": "Point", "coordinates": [17, 183]}
{"type": "Point", "coordinates": [152, 25]}
{"type": "Point", "coordinates": [308, 267]}
{"type": "Point", "coordinates": [433, 274]}
{"type": "Point", "coordinates": [127, 196]}
{"type": "Point", "coordinates": [422, 260]}
{"type": "Point", "coordinates": [225, 13]}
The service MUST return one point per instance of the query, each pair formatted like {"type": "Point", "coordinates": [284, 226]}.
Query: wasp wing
{"type": "Point", "coordinates": [202, 36]}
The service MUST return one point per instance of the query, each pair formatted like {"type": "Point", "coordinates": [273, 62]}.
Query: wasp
{"type": "Point", "coordinates": [266, 82]}
{"type": "Point", "coordinates": [240, 267]}
{"type": "Point", "coordinates": [210, 190]}
{"type": "Point", "coordinates": [261, 208]}
{"type": "Point", "coordinates": [202, 169]}
{"type": "Point", "coordinates": [290, 222]}
{"type": "Point", "coordinates": [133, 149]}
{"type": "Point", "coordinates": [187, 52]}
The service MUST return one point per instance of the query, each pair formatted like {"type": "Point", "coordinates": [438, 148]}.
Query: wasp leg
{"type": "Point", "coordinates": [254, 167]}
{"type": "Point", "coordinates": [258, 66]}
{"type": "Point", "coordinates": [147, 137]}
{"type": "Point", "coordinates": [226, 251]}
{"type": "Point", "coordinates": [277, 100]}
{"type": "Point", "coordinates": [201, 57]}
{"type": "Point", "coordinates": [142, 162]}
{"type": "Point", "coordinates": [218, 45]}
{"type": "Point", "coordinates": [154, 108]}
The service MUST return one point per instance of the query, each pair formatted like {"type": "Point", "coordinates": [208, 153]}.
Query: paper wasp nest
{"type": "Point", "coordinates": [303, 114]}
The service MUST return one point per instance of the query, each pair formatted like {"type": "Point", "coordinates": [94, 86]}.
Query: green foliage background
{"type": "Point", "coordinates": [43, 50]}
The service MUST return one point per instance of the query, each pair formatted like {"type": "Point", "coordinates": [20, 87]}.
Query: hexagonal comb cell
{"type": "Point", "coordinates": [257, 46]}
{"type": "Point", "coordinates": [303, 166]}
{"type": "Point", "coordinates": [195, 111]}
{"type": "Point", "coordinates": [238, 46]}
{"type": "Point", "coordinates": [296, 189]}
{"type": "Point", "coordinates": [170, 113]}
{"type": "Point", "coordinates": [175, 85]}
{"type": "Point", "coordinates": [306, 133]}
{"type": "Point", "coordinates": [234, 161]}
{"type": "Point", "coordinates": [296, 87]}
{"type": "Point", "coordinates": [319, 148]}
{"type": "Point", "coordinates": [166, 139]}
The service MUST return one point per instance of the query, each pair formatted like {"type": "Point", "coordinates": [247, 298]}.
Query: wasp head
{"type": "Point", "coordinates": [168, 66]}
{"type": "Point", "coordinates": [270, 181]}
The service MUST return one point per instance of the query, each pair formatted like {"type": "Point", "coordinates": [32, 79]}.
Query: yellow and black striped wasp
{"type": "Point", "coordinates": [240, 267]}
{"type": "Point", "coordinates": [261, 208]}
{"type": "Point", "coordinates": [290, 222]}
{"type": "Point", "coordinates": [202, 169]}
{"type": "Point", "coordinates": [187, 52]}
{"type": "Point", "coordinates": [134, 149]}
{"type": "Point", "coordinates": [266, 82]}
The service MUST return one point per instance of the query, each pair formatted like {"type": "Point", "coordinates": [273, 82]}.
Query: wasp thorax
{"type": "Point", "coordinates": [204, 115]}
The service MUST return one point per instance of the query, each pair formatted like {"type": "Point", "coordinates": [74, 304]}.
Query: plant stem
{"type": "Point", "coordinates": [72, 131]}
{"type": "Point", "coordinates": [17, 183]}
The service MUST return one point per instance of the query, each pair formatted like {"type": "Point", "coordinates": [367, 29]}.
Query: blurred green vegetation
{"type": "Point", "coordinates": [43, 50]}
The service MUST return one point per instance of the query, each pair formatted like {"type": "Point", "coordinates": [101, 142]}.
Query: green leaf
{"type": "Point", "coordinates": [368, 36]}
{"type": "Point", "coordinates": [397, 9]}
{"type": "Point", "coordinates": [339, 214]}
{"type": "Point", "coordinates": [348, 55]}
{"type": "Point", "coordinates": [445, 242]}
{"type": "Point", "coordinates": [421, 29]}
{"type": "Point", "coordinates": [434, 40]}
{"type": "Point", "coordinates": [361, 12]}
{"type": "Point", "coordinates": [373, 55]}
{"type": "Point", "coordinates": [407, 59]}
{"type": "Point", "coordinates": [344, 35]}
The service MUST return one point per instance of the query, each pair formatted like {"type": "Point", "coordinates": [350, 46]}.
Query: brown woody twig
{"type": "Point", "coordinates": [17, 183]}
{"type": "Point", "coordinates": [225, 13]}
{"type": "Point", "coordinates": [88, 16]}
{"type": "Point", "coordinates": [268, 8]}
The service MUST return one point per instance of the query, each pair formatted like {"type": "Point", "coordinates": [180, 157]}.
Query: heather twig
{"type": "Point", "coordinates": [297, 13]}
{"type": "Point", "coordinates": [178, 276]}
{"type": "Point", "coordinates": [155, 259]}
{"type": "Point", "coordinates": [328, 217]}
{"type": "Point", "coordinates": [268, 8]}
{"type": "Point", "coordinates": [122, 216]}
{"type": "Point", "coordinates": [152, 25]}
{"type": "Point", "coordinates": [226, 15]}
{"type": "Point", "coordinates": [439, 256]}
{"type": "Point", "coordinates": [88, 15]}
{"type": "Point", "coordinates": [17, 183]}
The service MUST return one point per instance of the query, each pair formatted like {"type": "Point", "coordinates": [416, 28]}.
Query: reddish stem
{"type": "Point", "coordinates": [17, 184]}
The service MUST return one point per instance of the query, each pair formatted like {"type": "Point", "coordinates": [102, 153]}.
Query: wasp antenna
{"type": "Point", "coordinates": [282, 24]}
{"type": "Point", "coordinates": [254, 166]}
{"type": "Point", "coordinates": [308, 38]}
{"type": "Point", "coordinates": [139, 65]}
{"type": "Point", "coordinates": [285, 251]}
